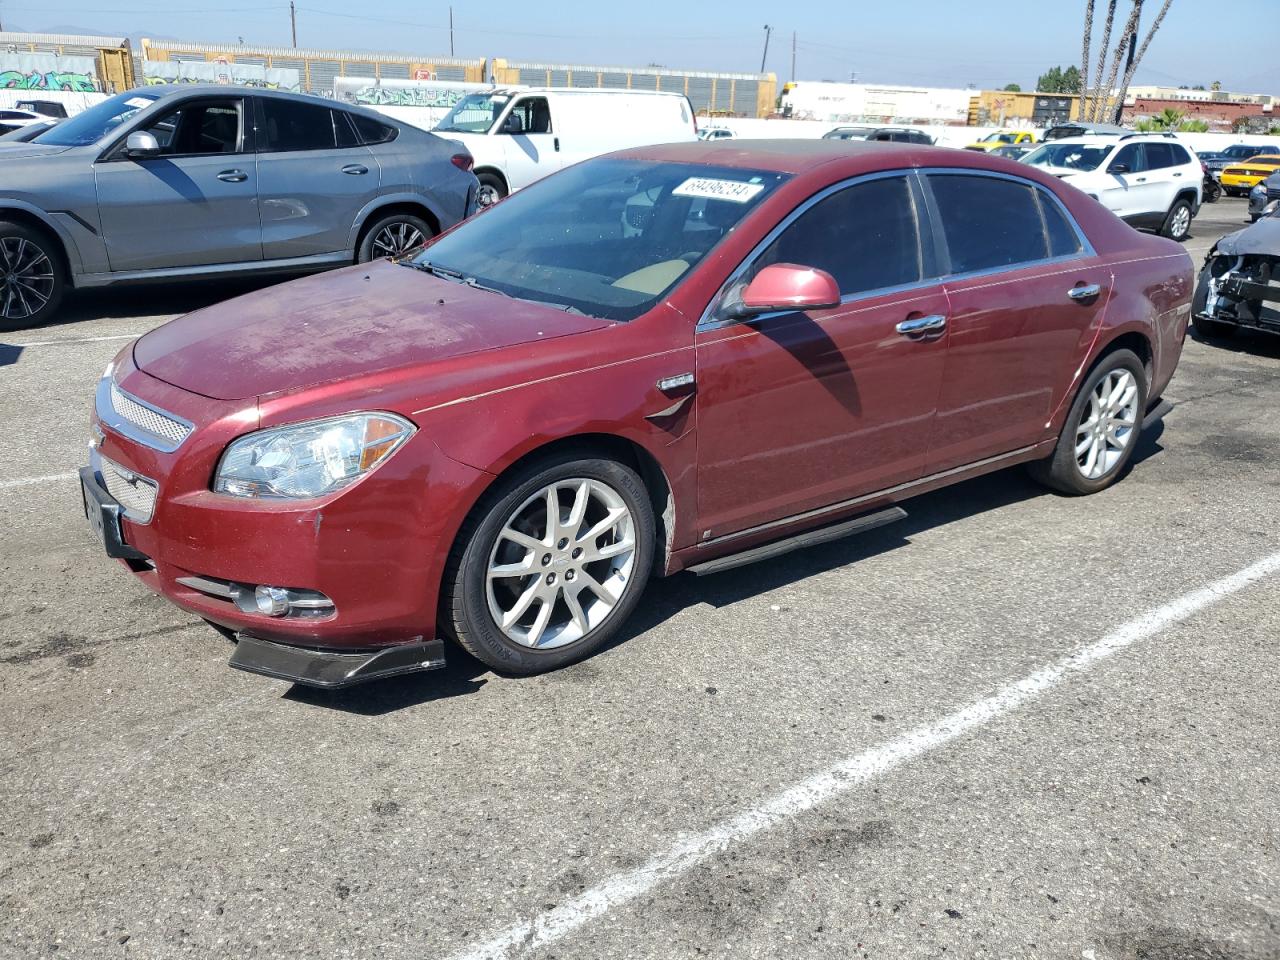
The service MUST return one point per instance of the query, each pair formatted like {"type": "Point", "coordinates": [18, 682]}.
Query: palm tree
{"type": "Point", "coordinates": [1084, 53]}
{"type": "Point", "coordinates": [1128, 74]}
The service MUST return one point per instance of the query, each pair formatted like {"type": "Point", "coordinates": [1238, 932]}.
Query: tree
{"type": "Point", "coordinates": [1171, 120]}
{"type": "Point", "coordinates": [1097, 91]}
{"type": "Point", "coordinates": [1011, 88]}
{"type": "Point", "coordinates": [1057, 80]}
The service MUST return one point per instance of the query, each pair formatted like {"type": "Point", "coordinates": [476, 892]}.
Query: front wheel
{"type": "Point", "coordinates": [1178, 223]}
{"type": "Point", "coordinates": [548, 568]}
{"type": "Point", "coordinates": [1102, 428]}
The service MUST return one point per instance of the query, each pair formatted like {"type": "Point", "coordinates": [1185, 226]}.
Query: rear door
{"type": "Point", "coordinates": [313, 178]}
{"type": "Point", "coordinates": [1025, 296]}
{"type": "Point", "coordinates": [193, 205]}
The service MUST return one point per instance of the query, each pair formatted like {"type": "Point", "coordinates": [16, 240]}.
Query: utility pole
{"type": "Point", "coordinates": [793, 56]}
{"type": "Point", "coordinates": [451, 31]}
{"type": "Point", "coordinates": [1128, 70]}
{"type": "Point", "coordinates": [764, 56]}
{"type": "Point", "coordinates": [293, 23]}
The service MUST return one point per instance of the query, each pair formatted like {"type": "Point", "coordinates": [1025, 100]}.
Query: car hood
{"type": "Point", "coordinates": [25, 151]}
{"type": "Point", "coordinates": [1261, 238]}
{"type": "Point", "coordinates": [363, 319]}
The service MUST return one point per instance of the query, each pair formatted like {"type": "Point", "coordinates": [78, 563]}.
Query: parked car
{"type": "Point", "coordinates": [900, 135]}
{"type": "Point", "coordinates": [502, 438]}
{"type": "Point", "coordinates": [1237, 288]}
{"type": "Point", "coordinates": [168, 182]}
{"type": "Point", "coordinates": [46, 108]}
{"type": "Point", "coordinates": [1239, 178]}
{"type": "Point", "coordinates": [11, 120]}
{"type": "Point", "coordinates": [1264, 198]}
{"type": "Point", "coordinates": [1001, 138]}
{"type": "Point", "coordinates": [1218, 159]}
{"type": "Point", "coordinates": [1151, 181]}
{"type": "Point", "coordinates": [1080, 128]}
{"type": "Point", "coordinates": [522, 134]}
{"type": "Point", "coordinates": [716, 133]}
{"type": "Point", "coordinates": [848, 133]}
{"type": "Point", "coordinates": [27, 133]}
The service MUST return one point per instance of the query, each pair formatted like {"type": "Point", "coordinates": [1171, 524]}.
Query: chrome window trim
{"type": "Point", "coordinates": [109, 418]}
{"type": "Point", "coordinates": [928, 217]}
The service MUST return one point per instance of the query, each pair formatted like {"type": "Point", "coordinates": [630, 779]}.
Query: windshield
{"type": "Point", "coordinates": [93, 124]}
{"type": "Point", "coordinates": [474, 113]}
{"type": "Point", "coordinates": [1071, 156]}
{"type": "Point", "coordinates": [607, 237]}
{"type": "Point", "coordinates": [999, 138]}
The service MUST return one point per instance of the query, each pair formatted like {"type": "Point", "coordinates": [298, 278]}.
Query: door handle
{"type": "Point", "coordinates": [920, 326]}
{"type": "Point", "coordinates": [355, 169]}
{"type": "Point", "coordinates": [1177, 174]}
{"type": "Point", "coordinates": [233, 176]}
{"type": "Point", "coordinates": [1084, 292]}
{"type": "Point", "coordinates": [556, 141]}
{"type": "Point", "coordinates": [1140, 179]}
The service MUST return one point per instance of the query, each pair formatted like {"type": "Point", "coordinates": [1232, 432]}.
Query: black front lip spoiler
{"type": "Point", "coordinates": [334, 669]}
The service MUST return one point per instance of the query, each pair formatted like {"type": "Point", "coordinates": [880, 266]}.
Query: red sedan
{"type": "Point", "coordinates": [676, 357]}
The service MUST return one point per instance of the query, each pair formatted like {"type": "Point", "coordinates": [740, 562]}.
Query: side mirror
{"type": "Point", "coordinates": [513, 124]}
{"type": "Point", "coordinates": [1118, 168]}
{"type": "Point", "coordinates": [140, 145]}
{"type": "Point", "coordinates": [788, 286]}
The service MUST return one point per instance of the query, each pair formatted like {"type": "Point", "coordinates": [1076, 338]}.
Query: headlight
{"type": "Point", "coordinates": [306, 460]}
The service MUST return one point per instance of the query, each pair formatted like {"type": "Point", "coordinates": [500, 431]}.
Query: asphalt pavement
{"type": "Point", "coordinates": [1012, 725]}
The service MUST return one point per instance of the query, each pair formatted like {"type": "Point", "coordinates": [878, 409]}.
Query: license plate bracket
{"type": "Point", "coordinates": [103, 512]}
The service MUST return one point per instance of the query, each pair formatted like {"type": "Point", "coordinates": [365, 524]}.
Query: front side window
{"type": "Point", "coordinates": [866, 236]}
{"type": "Point", "coordinates": [90, 126]}
{"type": "Point", "coordinates": [288, 125]}
{"type": "Point", "coordinates": [198, 128]}
{"type": "Point", "coordinates": [608, 237]}
{"type": "Point", "coordinates": [990, 223]}
{"type": "Point", "coordinates": [1131, 158]}
{"type": "Point", "coordinates": [474, 113]}
{"type": "Point", "coordinates": [531, 115]}
{"type": "Point", "coordinates": [1068, 156]}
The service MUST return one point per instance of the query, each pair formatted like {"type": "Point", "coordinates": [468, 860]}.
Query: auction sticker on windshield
{"type": "Point", "coordinates": [710, 189]}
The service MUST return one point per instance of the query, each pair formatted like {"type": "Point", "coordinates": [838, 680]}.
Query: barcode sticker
{"type": "Point", "coordinates": [733, 190]}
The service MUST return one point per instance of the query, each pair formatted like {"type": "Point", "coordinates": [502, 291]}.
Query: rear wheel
{"type": "Point", "coordinates": [1102, 428]}
{"type": "Point", "coordinates": [492, 189]}
{"type": "Point", "coordinates": [548, 568]}
{"type": "Point", "coordinates": [1178, 222]}
{"type": "Point", "coordinates": [32, 280]}
{"type": "Point", "coordinates": [395, 235]}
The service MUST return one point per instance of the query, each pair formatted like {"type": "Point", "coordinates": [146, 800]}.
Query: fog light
{"type": "Point", "coordinates": [272, 601]}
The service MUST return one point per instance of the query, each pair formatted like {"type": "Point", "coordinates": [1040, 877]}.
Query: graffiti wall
{"type": "Point", "coordinates": [219, 71]}
{"type": "Point", "coordinates": [434, 98]}
{"type": "Point", "coordinates": [48, 71]}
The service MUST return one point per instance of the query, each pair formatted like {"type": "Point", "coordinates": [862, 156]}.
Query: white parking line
{"type": "Point", "coordinates": [554, 924]}
{"type": "Point", "coordinates": [54, 343]}
{"type": "Point", "coordinates": [28, 481]}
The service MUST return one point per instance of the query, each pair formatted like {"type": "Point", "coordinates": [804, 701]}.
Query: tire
{"type": "Point", "coordinates": [1212, 192]}
{"type": "Point", "coordinates": [1208, 329]}
{"type": "Point", "coordinates": [1062, 471]}
{"type": "Point", "coordinates": [32, 277]}
{"type": "Point", "coordinates": [1177, 224]}
{"type": "Point", "coordinates": [472, 600]}
{"type": "Point", "coordinates": [396, 235]}
{"type": "Point", "coordinates": [492, 189]}
{"type": "Point", "coordinates": [1255, 217]}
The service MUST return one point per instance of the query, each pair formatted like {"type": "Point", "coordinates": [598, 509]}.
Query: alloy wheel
{"type": "Point", "coordinates": [26, 278]}
{"type": "Point", "coordinates": [1107, 427]}
{"type": "Point", "coordinates": [397, 239]}
{"type": "Point", "coordinates": [1181, 222]}
{"type": "Point", "coordinates": [487, 196]}
{"type": "Point", "coordinates": [561, 563]}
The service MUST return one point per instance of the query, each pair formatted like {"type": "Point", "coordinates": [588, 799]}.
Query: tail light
{"type": "Point", "coordinates": [463, 161]}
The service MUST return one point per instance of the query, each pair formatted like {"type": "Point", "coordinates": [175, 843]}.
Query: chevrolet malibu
{"type": "Point", "coordinates": [677, 357]}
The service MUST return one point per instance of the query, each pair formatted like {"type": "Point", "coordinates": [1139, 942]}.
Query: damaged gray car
{"type": "Point", "coordinates": [1239, 286]}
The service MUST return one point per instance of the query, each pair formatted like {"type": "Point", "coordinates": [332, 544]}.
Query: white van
{"type": "Point", "coordinates": [520, 134]}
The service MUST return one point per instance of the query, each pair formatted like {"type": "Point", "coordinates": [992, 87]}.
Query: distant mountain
{"type": "Point", "coordinates": [134, 35]}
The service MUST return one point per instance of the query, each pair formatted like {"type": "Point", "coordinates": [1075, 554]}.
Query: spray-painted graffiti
{"type": "Point", "coordinates": [220, 71]}
{"type": "Point", "coordinates": [438, 94]}
{"type": "Point", "coordinates": [45, 71]}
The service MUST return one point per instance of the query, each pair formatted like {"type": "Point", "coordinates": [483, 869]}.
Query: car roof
{"type": "Point", "coordinates": [794, 156]}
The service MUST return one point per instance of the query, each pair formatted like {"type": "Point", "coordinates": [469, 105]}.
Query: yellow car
{"type": "Point", "coordinates": [1244, 176]}
{"type": "Point", "coordinates": [1002, 138]}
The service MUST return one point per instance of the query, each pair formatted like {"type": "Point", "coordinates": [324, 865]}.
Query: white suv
{"type": "Point", "coordinates": [1149, 180]}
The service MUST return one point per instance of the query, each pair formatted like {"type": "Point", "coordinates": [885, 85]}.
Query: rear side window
{"type": "Point", "coordinates": [1159, 155]}
{"type": "Point", "coordinates": [988, 222]}
{"type": "Point", "coordinates": [371, 131]}
{"type": "Point", "coordinates": [866, 236]}
{"type": "Point", "coordinates": [1063, 239]}
{"type": "Point", "coordinates": [289, 125]}
{"type": "Point", "coordinates": [343, 130]}
{"type": "Point", "coordinates": [1180, 156]}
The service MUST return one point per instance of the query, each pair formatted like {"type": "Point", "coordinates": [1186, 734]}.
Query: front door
{"type": "Point", "coordinates": [313, 178]}
{"type": "Point", "coordinates": [797, 411]}
{"type": "Point", "coordinates": [530, 141]}
{"type": "Point", "coordinates": [196, 203]}
{"type": "Point", "coordinates": [1131, 189]}
{"type": "Point", "coordinates": [1025, 298]}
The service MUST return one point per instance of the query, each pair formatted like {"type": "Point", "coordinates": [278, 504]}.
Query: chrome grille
{"type": "Point", "coordinates": [136, 493]}
{"type": "Point", "coordinates": [148, 419]}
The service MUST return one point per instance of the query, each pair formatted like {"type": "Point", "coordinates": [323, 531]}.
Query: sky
{"type": "Point", "coordinates": [987, 43]}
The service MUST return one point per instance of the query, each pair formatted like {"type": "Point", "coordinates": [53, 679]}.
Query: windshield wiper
{"type": "Point", "coordinates": [455, 275]}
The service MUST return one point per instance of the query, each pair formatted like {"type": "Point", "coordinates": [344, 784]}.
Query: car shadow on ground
{"type": "Point", "coordinates": [1243, 341]}
{"type": "Point", "coordinates": [665, 598]}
